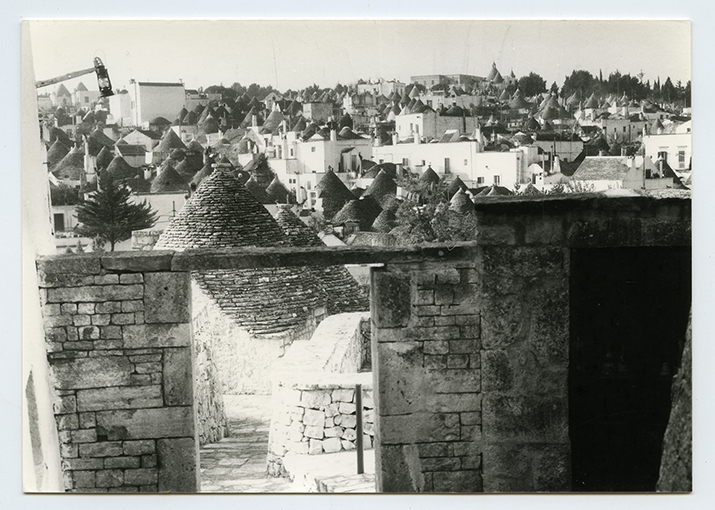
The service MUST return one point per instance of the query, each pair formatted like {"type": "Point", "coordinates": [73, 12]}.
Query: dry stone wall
{"type": "Point", "coordinates": [314, 393]}
{"type": "Point", "coordinates": [119, 351]}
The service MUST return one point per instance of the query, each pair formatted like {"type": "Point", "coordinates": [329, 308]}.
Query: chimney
{"type": "Point", "coordinates": [395, 138]}
{"type": "Point", "coordinates": [254, 121]}
{"type": "Point", "coordinates": [333, 133]}
{"type": "Point", "coordinates": [147, 174]}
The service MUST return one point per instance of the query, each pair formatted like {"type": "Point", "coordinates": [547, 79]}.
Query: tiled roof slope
{"type": "Point", "coordinates": [222, 214]}
{"type": "Point", "coordinates": [342, 291]}
{"type": "Point", "coordinates": [603, 168]}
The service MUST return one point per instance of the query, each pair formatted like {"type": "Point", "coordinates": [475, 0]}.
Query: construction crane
{"type": "Point", "coordinates": [105, 85]}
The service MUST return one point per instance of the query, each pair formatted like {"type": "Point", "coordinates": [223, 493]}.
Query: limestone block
{"type": "Point", "coordinates": [313, 431]}
{"type": "Point", "coordinates": [436, 347]}
{"type": "Point", "coordinates": [77, 264]}
{"type": "Point", "coordinates": [141, 447]}
{"type": "Point", "coordinates": [127, 278]}
{"type": "Point", "coordinates": [532, 419]}
{"type": "Point", "coordinates": [343, 395]}
{"type": "Point", "coordinates": [106, 279]}
{"type": "Point", "coordinates": [102, 319]}
{"type": "Point", "coordinates": [315, 447]}
{"type": "Point", "coordinates": [108, 307]}
{"type": "Point", "coordinates": [83, 436]}
{"type": "Point", "coordinates": [147, 368]}
{"type": "Point", "coordinates": [503, 321]}
{"type": "Point", "coordinates": [449, 275]}
{"type": "Point", "coordinates": [419, 427]}
{"type": "Point", "coordinates": [314, 417]}
{"type": "Point", "coordinates": [140, 476]}
{"type": "Point", "coordinates": [123, 397]}
{"type": "Point", "coordinates": [434, 449]}
{"type": "Point", "coordinates": [346, 408]}
{"type": "Point", "coordinates": [67, 421]}
{"type": "Point", "coordinates": [332, 410]}
{"type": "Point", "coordinates": [103, 449]}
{"type": "Point", "coordinates": [348, 420]}
{"type": "Point", "coordinates": [332, 445]}
{"type": "Point", "coordinates": [121, 462]}
{"type": "Point", "coordinates": [66, 308]}
{"type": "Point", "coordinates": [398, 469]}
{"type": "Point", "coordinates": [441, 464]}
{"type": "Point", "coordinates": [315, 399]}
{"type": "Point", "coordinates": [457, 481]}
{"type": "Point", "coordinates": [157, 335]}
{"type": "Point", "coordinates": [94, 293]}
{"type": "Point", "coordinates": [166, 298]}
{"type": "Point", "coordinates": [83, 479]}
{"type": "Point", "coordinates": [109, 478]}
{"type": "Point", "coordinates": [470, 418]}
{"type": "Point", "coordinates": [177, 460]}
{"type": "Point", "coordinates": [349, 434]}
{"type": "Point", "coordinates": [369, 415]}
{"type": "Point", "coordinates": [134, 261]}
{"type": "Point", "coordinates": [549, 332]}
{"type": "Point", "coordinates": [82, 464]}
{"type": "Point", "coordinates": [333, 432]}
{"type": "Point", "coordinates": [122, 319]}
{"type": "Point", "coordinates": [347, 445]}
{"type": "Point", "coordinates": [390, 304]}
{"type": "Point", "coordinates": [91, 372]}
{"type": "Point", "coordinates": [110, 332]}
{"type": "Point", "coordinates": [65, 404]}
{"type": "Point", "coordinates": [178, 377]}
{"type": "Point", "coordinates": [151, 423]}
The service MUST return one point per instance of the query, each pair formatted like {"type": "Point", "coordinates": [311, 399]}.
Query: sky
{"type": "Point", "coordinates": [295, 54]}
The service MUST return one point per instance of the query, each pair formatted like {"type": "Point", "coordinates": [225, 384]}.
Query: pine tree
{"type": "Point", "coordinates": [108, 215]}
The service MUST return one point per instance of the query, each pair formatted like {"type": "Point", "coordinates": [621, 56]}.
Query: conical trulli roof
{"type": "Point", "coordinates": [222, 214]}
{"type": "Point", "coordinates": [277, 192]}
{"type": "Point", "coordinates": [385, 221]}
{"type": "Point", "coordinates": [169, 142]}
{"type": "Point", "coordinates": [382, 188]}
{"type": "Point", "coordinates": [333, 193]}
{"type": "Point", "coordinates": [429, 176]}
{"type": "Point", "coordinates": [461, 203]}
{"type": "Point", "coordinates": [104, 158]}
{"type": "Point", "coordinates": [119, 169]}
{"type": "Point", "coordinates": [169, 180]}
{"type": "Point", "coordinates": [257, 191]}
{"type": "Point", "coordinates": [342, 291]}
{"type": "Point", "coordinates": [71, 166]}
{"type": "Point", "coordinates": [205, 171]}
{"type": "Point", "coordinates": [58, 150]}
{"type": "Point", "coordinates": [455, 186]}
{"type": "Point", "coordinates": [363, 211]}
{"type": "Point", "coordinates": [187, 169]}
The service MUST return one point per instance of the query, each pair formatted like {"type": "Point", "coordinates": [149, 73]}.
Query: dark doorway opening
{"type": "Point", "coordinates": [629, 313]}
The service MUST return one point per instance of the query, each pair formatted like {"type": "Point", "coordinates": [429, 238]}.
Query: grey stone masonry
{"type": "Point", "coordinates": [120, 358]}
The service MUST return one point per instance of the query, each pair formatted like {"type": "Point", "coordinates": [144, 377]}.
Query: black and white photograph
{"type": "Point", "coordinates": [357, 257]}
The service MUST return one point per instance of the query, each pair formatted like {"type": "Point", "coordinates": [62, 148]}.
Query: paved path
{"type": "Point", "coordinates": [238, 463]}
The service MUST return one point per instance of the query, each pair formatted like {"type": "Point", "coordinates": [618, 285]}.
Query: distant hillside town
{"type": "Point", "coordinates": [347, 158]}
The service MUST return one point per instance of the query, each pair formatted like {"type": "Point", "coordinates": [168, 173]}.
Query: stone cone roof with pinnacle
{"type": "Point", "coordinates": [385, 221]}
{"type": "Point", "coordinates": [277, 192]}
{"type": "Point", "coordinates": [334, 194]}
{"type": "Point", "coordinates": [429, 176]}
{"type": "Point", "coordinates": [169, 142]}
{"type": "Point", "coordinates": [222, 214]}
{"type": "Point", "coordinates": [382, 188]}
{"type": "Point", "coordinates": [455, 186]}
{"type": "Point", "coordinates": [169, 180]}
{"type": "Point", "coordinates": [363, 211]}
{"type": "Point", "coordinates": [104, 158]}
{"type": "Point", "coordinates": [342, 291]}
{"type": "Point", "coordinates": [119, 169]}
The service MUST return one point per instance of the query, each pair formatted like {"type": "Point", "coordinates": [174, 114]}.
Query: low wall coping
{"type": "Point", "coordinates": [312, 381]}
{"type": "Point", "coordinates": [246, 258]}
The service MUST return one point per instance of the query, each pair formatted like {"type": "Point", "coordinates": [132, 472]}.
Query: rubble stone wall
{"type": "Point", "coordinates": [319, 416]}
{"type": "Point", "coordinates": [314, 393]}
{"type": "Point", "coordinates": [144, 240]}
{"type": "Point", "coordinates": [118, 341]}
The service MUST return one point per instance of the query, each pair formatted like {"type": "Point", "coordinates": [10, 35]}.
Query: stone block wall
{"type": "Point", "coordinates": [118, 341]}
{"type": "Point", "coordinates": [426, 341]}
{"type": "Point", "coordinates": [312, 418]}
